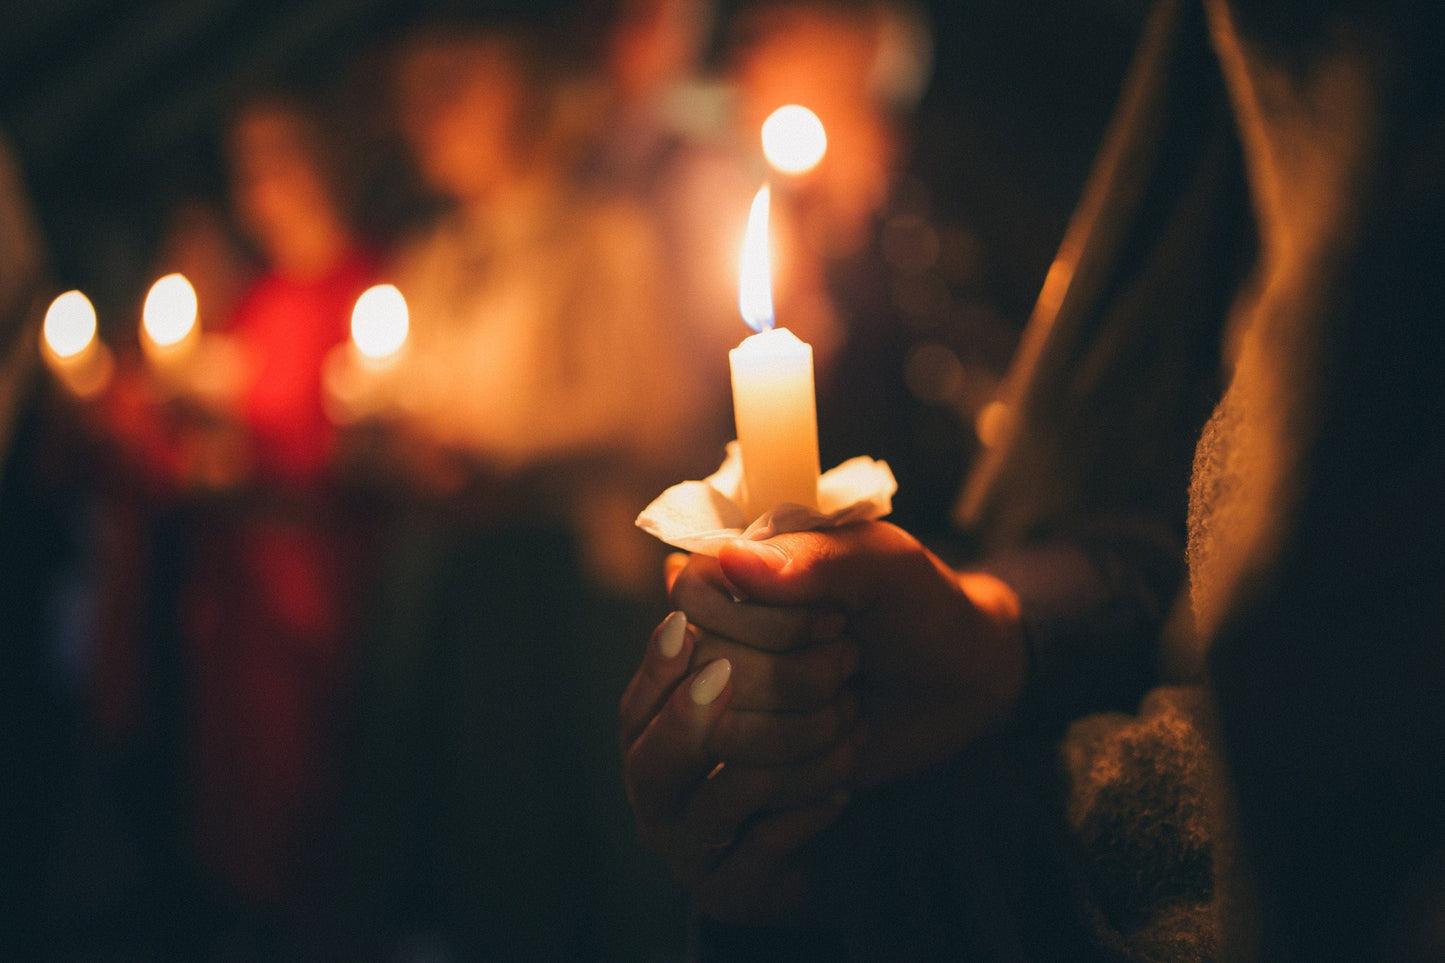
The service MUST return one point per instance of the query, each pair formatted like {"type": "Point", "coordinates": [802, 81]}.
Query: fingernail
{"type": "Point", "coordinates": [710, 682]}
{"type": "Point", "coordinates": [770, 555]}
{"type": "Point", "coordinates": [669, 637]}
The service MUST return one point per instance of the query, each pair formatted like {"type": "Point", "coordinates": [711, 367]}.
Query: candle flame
{"type": "Point", "coordinates": [794, 140]}
{"type": "Point", "coordinates": [380, 322]}
{"type": "Point", "coordinates": [69, 324]}
{"type": "Point", "coordinates": [755, 285]}
{"type": "Point", "coordinates": [170, 310]}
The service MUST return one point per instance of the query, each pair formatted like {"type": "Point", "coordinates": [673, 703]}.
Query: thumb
{"type": "Point", "coordinates": [844, 566]}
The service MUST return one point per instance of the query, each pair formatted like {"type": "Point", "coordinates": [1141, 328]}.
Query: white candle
{"type": "Point", "coordinates": [169, 332]}
{"type": "Point", "coordinates": [71, 348]}
{"type": "Point", "coordinates": [773, 400]}
{"type": "Point", "coordinates": [359, 378]}
{"type": "Point", "coordinates": [380, 323]}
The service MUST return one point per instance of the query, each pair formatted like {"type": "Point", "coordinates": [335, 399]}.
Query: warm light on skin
{"type": "Point", "coordinates": [793, 139]}
{"type": "Point", "coordinates": [170, 310]}
{"type": "Point", "coordinates": [380, 322]}
{"type": "Point", "coordinates": [755, 283]}
{"type": "Point", "coordinates": [69, 324]}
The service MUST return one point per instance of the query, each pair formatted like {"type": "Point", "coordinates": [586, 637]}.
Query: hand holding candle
{"type": "Point", "coordinates": [769, 484]}
{"type": "Point", "coordinates": [772, 376]}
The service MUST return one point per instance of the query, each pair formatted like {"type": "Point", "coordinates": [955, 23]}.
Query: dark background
{"type": "Point", "coordinates": [114, 107]}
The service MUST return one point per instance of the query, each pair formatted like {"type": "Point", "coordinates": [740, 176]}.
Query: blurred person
{"type": "Point", "coordinates": [537, 337]}
{"type": "Point", "coordinates": [288, 186]}
{"type": "Point", "coordinates": [538, 408]}
{"type": "Point", "coordinates": [271, 589]}
{"type": "Point", "coordinates": [645, 124]}
{"type": "Point", "coordinates": [200, 241]}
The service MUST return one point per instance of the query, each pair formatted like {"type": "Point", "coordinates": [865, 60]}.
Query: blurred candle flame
{"type": "Point", "coordinates": [755, 284]}
{"type": "Point", "coordinates": [69, 324]}
{"type": "Point", "coordinates": [794, 140]}
{"type": "Point", "coordinates": [380, 322]}
{"type": "Point", "coordinates": [170, 310]}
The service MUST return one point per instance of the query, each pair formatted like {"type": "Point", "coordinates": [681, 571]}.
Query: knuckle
{"type": "Point", "coordinates": [699, 583]}
{"type": "Point", "coordinates": [709, 647]}
{"type": "Point", "coordinates": [687, 586]}
{"type": "Point", "coordinates": [809, 682]}
{"type": "Point", "coordinates": [793, 629]}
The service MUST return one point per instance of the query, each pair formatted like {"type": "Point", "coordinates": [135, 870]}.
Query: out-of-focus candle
{"type": "Point", "coordinates": [773, 400]}
{"type": "Point", "coordinates": [169, 332]}
{"type": "Point", "coordinates": [70, 346]}
{"type": "Point", "coordinates": [794, 140]}
{"type": "Point", "coordinates": [380, 323]}
{"type": "Point", "coordinates": [359, 378]}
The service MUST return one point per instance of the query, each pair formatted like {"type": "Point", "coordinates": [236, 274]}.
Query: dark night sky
{"type": "Point", "coordinates": [113, 107]}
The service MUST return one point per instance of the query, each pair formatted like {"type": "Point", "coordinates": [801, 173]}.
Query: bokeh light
{"type": "Point", "coordinates": [380, 322]}
{"type": "Point", "coordinates": [793, 139]}
{"type": "Point", "coordinates": [170, 310]}
{"type": "Point", "coordinates": [69, 324]}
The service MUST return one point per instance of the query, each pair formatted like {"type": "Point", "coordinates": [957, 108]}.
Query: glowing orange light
{"type": "Point", "coordinates": [755, 282]}
{"type": "Point", "coordinates": [380, 322]}
{"type": "Point", "coordinates": [71, 348]}
{"type": "Point", "coordinates": [170, 311]}
{"type": "Point", "coordinates": [69, 325]}
{"type": "Point", "coordinates": [794, 140]}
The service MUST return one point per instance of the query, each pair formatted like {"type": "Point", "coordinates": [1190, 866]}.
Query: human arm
{"type": "Point", "coordinates": [931, 660]}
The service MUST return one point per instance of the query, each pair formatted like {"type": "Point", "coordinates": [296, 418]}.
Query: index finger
{"type": "Point", "coordinates": [663, 665]}
{"type": "Point", "coordinates": [671, 756]}
{"type": "Point", "coordinates": [707, 597]}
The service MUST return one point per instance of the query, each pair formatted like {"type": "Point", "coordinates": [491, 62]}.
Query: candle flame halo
{"type": "Point", "coordinates": [69, 326]}
{"type": "Point", "coordinates": [755, 284]}
{"type": "Point", "coordinates": [794, 140]}
{"type": "Point", "coordinates": [170, 310]}
{"type": "Point", "coordinates": [380, 322]}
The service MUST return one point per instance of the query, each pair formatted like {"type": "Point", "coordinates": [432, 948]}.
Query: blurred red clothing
{"type": "Point", "coordinates": [287, 327]}
{"type": "Point", "coordinates": [270, 597]}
